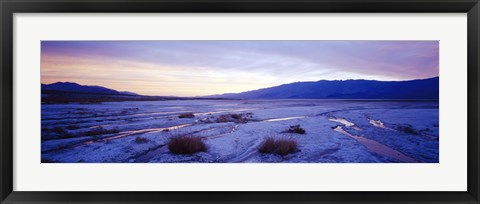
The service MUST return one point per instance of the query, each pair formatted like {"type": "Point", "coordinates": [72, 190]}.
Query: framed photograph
{"type": "Point", "coordinates": [239, 101]}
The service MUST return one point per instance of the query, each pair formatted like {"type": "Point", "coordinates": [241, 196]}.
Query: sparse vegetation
{"type": "Point", "coordinates": [407, 129]}
{"type": "Point", "coordinates": [296, 129]}
{"type": "Point", "coordinates": [100, 131]}
{"type": "Point", "coordinates": [58, 130]}
{"type": "Point", "coordinates": [223, 119]}
{"type": "Point", "coordinates": [185, 144]}
{"type": "Point", "coordinates": [82, 113]}
{"type": "Point", "coordinates": [237, 118]}
{"type": "Point", "coordinates": [141, 140]}
{"type": "Point", "coordinates": [268, 146]}
{"type": "Point", "coordinates": [73, 127]}
{"type": "Point", "coordinates": [285, 146]}
{"type": "Point", "coordinates": [186, 115]}
{"type": "Point", "coordinates": [280, 146]}
{"type": "Point", "coordinates": [126, 111]}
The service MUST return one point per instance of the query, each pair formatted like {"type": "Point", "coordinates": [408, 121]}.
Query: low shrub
{"type": "Point", "coordinates": [237, 118]}
{"type": "Point", "coordinates": [67, 135]}
{"type": "Point", "coordinates": [407, 129]}
{"type": "Point", "coordinates": [186, 115]}
{"type": "Point", "coordinates": [185, 144]}
{"type": "Point", "coordinates": [58, 130]}
{"type": "Point", "coordinates": [280, 146]}
{"type": "Point", "coordinates": [100, 131]}
{"type": "Point", "coordinates": [55, 133]}
{"type": "Point", "coordinates": [285, 146]}
{"type": "Point", "coordinates": [268, 146]}
{"type": "Point", "coordinates": [141, 140]}
{"type": "Point", "coordinates": [73, 127]}
{"type": "Point", "coordinates": [223, 119]}
{"type": "Point", "coordinates": [296, 129]}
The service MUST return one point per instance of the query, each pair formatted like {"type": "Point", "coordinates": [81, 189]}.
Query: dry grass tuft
{"type": "Point", "coordinates": [58, 130]}
{"type": "Point", "coordinates": [73, 127]}
{"type": "Point", "coordinates": [100, 131]}
{"type": "Point", "coordinates": [141, 140]}
{"type": "Point", "coordinates": [280, 146]}
{"type": "Point", "coordinates": [285, 146]}
{"type": "Point", "coordinates": [407, 129]}
{"type": "Point", "coordinates": [237, 118]}
{"type": "Point", "coordinates": [296, 129]}
{"type": "Point", "coordinates": [268, 146]}
{"type": "Point", "coordinates": [186, 115]}
{"type": "Point", "coordinates": [186, 144]}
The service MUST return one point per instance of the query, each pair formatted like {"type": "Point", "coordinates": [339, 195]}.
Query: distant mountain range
{"type": "Point", "coordinates": [345, 89]}
{"type": "Point", "coordinates": [323, 89]}
{"type": "Point", "coordinates": [70, 92]}
{"type": "Point", "coordinates": [77, 88]}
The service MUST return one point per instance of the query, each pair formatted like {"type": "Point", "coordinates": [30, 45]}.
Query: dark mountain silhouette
{"type": "Point", "coordinates": [345, 89]}
{"type": "Point", "coordinates": [77, 88]}
{"type": "Point", "coordinates": [70, 92]}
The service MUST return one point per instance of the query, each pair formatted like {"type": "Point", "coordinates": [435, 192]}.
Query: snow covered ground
{"type": "Point", "coordinates": [337, 131]}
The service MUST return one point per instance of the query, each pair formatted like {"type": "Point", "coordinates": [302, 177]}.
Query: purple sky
{"type": "Point", "coordinates": [192, 68]}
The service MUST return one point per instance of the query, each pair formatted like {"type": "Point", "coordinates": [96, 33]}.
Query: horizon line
{"type": "Point", "coordinates": [242, 91]}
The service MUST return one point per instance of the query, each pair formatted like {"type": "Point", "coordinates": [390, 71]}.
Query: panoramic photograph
{"type": "Point", "coordinates": [251, 101]}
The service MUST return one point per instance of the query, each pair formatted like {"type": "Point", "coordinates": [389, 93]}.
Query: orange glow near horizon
{"type": "Point", "coordinates": [147, 79]}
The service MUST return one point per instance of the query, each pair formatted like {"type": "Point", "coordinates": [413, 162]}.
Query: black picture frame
{"type": "Point", "coordinates": [10, 7]}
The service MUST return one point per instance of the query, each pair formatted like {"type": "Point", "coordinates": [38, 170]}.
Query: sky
{"type": "Point", "coordinates": [199, 68]}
